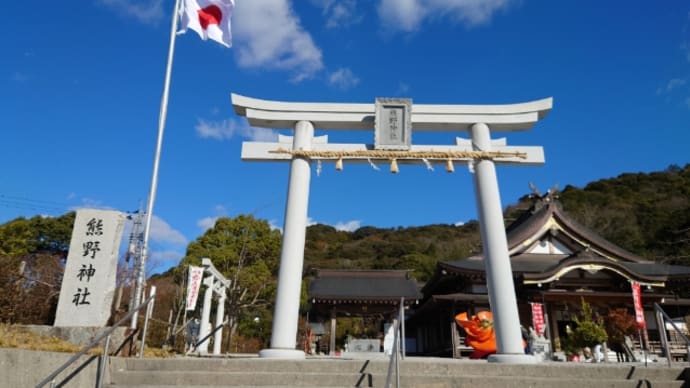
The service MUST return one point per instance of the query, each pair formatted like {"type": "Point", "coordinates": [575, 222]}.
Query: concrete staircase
{"type": "Point", "coordinates": [414, 372]}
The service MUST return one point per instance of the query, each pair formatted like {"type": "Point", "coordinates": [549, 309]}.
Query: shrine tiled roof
{"type": "Point", "coordinates": [547, 208]}
{"type": "Point", "coordinates": [535, 266]}
{"type": "Point", "coordinates": [363, 285]}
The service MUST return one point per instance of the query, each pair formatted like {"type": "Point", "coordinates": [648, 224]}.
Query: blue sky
{"type": "Point", "coordinates": [82, 81]}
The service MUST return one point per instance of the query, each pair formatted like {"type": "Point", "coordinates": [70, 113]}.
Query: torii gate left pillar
{"type": "Point", "coordinates": [481, 152]}
{"type": "Point", "coordinates": [292, 253]}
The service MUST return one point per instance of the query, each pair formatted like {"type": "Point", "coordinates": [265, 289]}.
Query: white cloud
{"type": "Point", "coordinates": [144, 11]}
{"type": "Point", "coordinates": [162, 260]}
{"type": "Point", "coordinates": [405, 15]}
{"type": "Point", "coordinates": [218, 130]}
{"type": "Point", "coordinates": [91, 204]}
{"type": "Point", "coordinates": [343, 78]}
{"type": "Point", "coordinates": [273, 224]}
{"type": "Point", "coordinates": [260, 134]}
{"type": "Point", "coordinates": [268, 35]}
{"type": "Point", "coordinates": [167, 255]}
{"type": "Point", "coordinates": [348, 226]}
{"type": "Point", "coordinates": [20, 77]}
{"type": "Point", "coordinates": [227, 129]}
{"type": "Point", "coordinates": [206, 223]}
{"type": "Point", "coordinates": [408, 15]}
{"type": "Point", "coordinates": [338, 13]}
{"type": "Point", "coordinates": [403, 88]}
{"type": "Point", "coordinates": [459, 223]}
{"type": "Point", "coordinates": [162, 232]}
{"type": "Point", "coordinates": [671, 85]}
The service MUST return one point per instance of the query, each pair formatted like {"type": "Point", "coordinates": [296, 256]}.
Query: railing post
{"type": "Point", "coordinates": [394, 353]}
{"type": "Point", "coordinates": [104, 360]}
{"type": "Point", "coordinates": [149, 310]}
{"type": "Point", "coordinates": [397, 372]}
{"type": "Point", "coordinates": [402, 327]}
{"type": "Point", "coordinates": [661, 326]}
{"type": "Point", "coordinates": [664, 317]}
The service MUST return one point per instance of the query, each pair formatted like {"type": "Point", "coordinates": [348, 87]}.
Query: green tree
{"type": "Point", "coordinates": [37, 235]}
{"type": "Point", "coordinates": [246, 251]}
{"type": "Point", "coordinates": [41, 244]}
{"type": "Point", "coordinates": [589, 330]}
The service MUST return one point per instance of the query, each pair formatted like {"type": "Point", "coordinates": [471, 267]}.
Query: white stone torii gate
{"type": "Point", "coordinates": [481, 151]}
{"type": "Point", "coordinates": [216, 283]}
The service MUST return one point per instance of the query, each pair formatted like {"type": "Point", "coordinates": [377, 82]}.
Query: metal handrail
{"type": "Point", "coordinates": [206, 337]}
{"type": "Point", "coordinates": [662, 332]}
{"type": "Point", "coordinates": [394, 358]}
{"type": "Point", "coordinates": [395, 353]}
{"type": "Point", "coordinates": [50, 378]}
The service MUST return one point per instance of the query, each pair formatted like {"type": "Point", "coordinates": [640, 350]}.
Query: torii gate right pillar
{"type": "Point", "coordinates": [499, 276]}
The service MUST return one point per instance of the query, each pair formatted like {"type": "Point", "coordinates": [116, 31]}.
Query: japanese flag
{"type": "Point", "coordinates": [209, 18]}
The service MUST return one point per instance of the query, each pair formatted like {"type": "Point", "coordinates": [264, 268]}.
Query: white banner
{"type": "Point", "coordinates": [193, 284]}
{"type": "Point", "coordinates": [88, 285]}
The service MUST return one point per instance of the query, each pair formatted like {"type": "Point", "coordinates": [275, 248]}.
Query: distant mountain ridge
{"type": "Point", "coordinates": [645, 213]}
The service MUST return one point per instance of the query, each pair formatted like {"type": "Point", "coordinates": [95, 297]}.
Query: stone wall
{"type": "Point", "coordinates": [26, 368]}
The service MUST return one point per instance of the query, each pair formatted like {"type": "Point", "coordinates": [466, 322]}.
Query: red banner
{"type": "Point", "coordinates": [538, 318]}
{"type": "Point", "coordinates": [637, 301]}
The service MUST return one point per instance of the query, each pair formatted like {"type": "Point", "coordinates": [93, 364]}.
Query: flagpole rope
{"type": "Point", "coordinates": [389, 154]}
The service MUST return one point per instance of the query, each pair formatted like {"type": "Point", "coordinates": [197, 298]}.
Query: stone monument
{"type": "Point", "coordinates": [88, 285]}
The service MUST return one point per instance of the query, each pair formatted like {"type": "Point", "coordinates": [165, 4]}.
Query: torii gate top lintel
{"type": "Point", "coordinates": [426, 117]}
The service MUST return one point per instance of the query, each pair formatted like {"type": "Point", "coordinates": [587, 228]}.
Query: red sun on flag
{"type": "Point", "coordinates": [208, 18]}
{"type": "Point", "coordinates": [210, 15]}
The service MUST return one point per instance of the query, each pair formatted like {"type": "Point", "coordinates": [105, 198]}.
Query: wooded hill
{"type": "Point", "coordinates": [645, 213]}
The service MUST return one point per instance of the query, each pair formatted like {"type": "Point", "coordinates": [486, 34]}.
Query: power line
{"type": "Point", "coordinates": [29, 205]}
{"type": "Point", "coordinates": [12, 197]}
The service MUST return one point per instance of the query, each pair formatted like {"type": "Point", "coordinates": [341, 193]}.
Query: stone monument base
{"type": "Point", "coordinates": [513, 358]}
{"type": "Point", "coordinates": [79, 336]}
{"type": "Point", "coordinates": [290, 354]}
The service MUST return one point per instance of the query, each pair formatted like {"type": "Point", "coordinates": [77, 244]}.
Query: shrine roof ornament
{"type": "Point", "coordinates": [425, 117]}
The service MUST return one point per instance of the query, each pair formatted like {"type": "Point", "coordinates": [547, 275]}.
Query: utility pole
{"type": "Point", "coordinates": [133, 255]}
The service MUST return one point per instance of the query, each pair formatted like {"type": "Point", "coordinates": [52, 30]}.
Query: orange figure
{"type": "Point", "coordinates": [480, 333]}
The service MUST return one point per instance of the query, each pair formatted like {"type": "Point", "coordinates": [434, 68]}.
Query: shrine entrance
{"type": "Point", "coordinates": [393, 121]}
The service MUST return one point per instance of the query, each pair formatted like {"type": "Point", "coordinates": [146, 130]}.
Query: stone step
{"type": "Point", "coordinates": [282, 380]}
{"type": "Point", "coordinates": [409, 366]}
{"type": "Point", "coordinates": [246, 378]}
{"type": "Point", "coordinates": [414, 372]}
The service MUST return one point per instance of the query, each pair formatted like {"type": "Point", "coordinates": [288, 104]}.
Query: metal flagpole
{"type": "Point", "coordinates": [141, 279]}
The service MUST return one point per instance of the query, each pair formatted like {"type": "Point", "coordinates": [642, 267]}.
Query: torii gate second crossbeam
{"type": "Point", "coordinates": [395, 120]}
